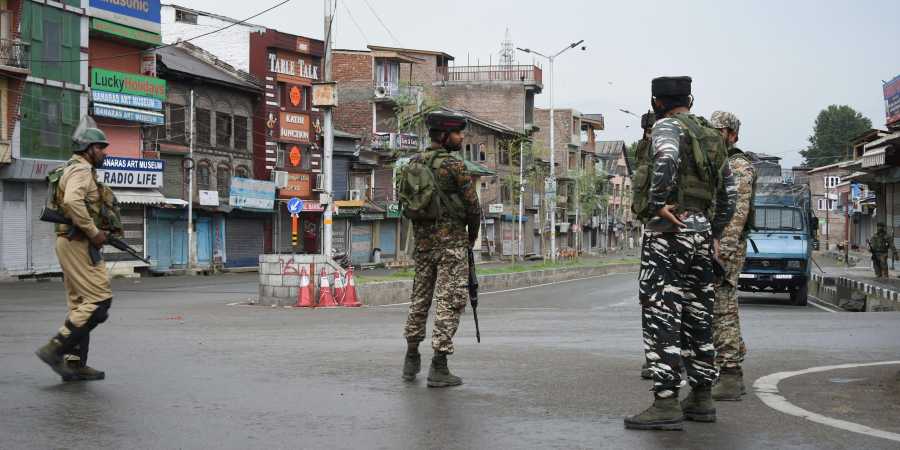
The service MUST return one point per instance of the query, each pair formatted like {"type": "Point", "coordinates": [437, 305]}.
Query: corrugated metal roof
{"type": "Point", "coordinates": [182, 60]}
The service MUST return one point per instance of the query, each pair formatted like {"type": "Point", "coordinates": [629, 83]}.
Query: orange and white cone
{"type": "Point", "coordinates": [304, 296]}
{"type": "Point", "coordinates": [338, 288]}
{"type": "Point", "coordinates": [326, 299]}
{"type": "Point", "coordinates": [350, 299]}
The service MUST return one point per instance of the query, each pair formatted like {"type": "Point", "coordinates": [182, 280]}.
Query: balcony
{"type": "Point", "coordinates": [14, 56]}
{"type": "Point", "coordinates": [387, 91]}
{"type": "Point", "coordinates": [493, 74]}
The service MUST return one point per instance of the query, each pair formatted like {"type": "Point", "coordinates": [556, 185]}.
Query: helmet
{"type": "Point", "coordinates": [88, 134]}
{"type": "Point", "coordinates": [446, 121]}
{"type": "Point", "coordinates": [724, 119]}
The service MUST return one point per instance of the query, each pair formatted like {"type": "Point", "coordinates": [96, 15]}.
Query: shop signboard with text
{"type": "Point", "coordinates": [131, 172]}
{"type": "Point", "coordinates": [294, 127]}
{"type": "Point", "coordinates": [128, 83]}
{"type": "Point", "coordinates": [140, 14]}
{"type": "Point", "coordinates": [252, 194]}
{"type": "Point", "coordinates": [892, 100]}
{"type": "Point", "coordinates": [298, 185]}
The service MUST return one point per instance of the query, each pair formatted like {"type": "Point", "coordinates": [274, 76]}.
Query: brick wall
{"type": "Point", "coordinates": [353, 72]}
{"type": "Point", "coordinates": [497, 101]}
{"type": "Point", "coordinates": [836, 219]}
{"type": "Point", "coordinates": [563, 136]}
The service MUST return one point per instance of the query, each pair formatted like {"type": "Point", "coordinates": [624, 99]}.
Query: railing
{"type": "Point", "coordinates": [494, 73]}
{"type": "Point", "coordinates": [14, 53]}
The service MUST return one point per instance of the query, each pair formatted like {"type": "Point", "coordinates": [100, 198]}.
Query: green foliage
{"type": "Point", "coordinates": [411, 112]}
{"type": "Point", "coordinates": [632, 151]}
{"type": "Point", "coordinates": [834, 128]}
{"type": "Point", "coordinates": [592, 194]}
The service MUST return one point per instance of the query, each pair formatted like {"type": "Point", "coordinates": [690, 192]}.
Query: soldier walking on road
{"type": "Point", "coordinates": [76, 193]}
{"type": "Point", "coordinates": [686, 197]}
{"type": "Point", "coordinates": [438, 195]}
{"type": "Point", "coordinates": [881, 245]}
{"type": "Point", "coordinates": [730, 348]}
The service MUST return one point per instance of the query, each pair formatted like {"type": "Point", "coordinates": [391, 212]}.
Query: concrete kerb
{"type": "Point", "coordinates": [836, 290]}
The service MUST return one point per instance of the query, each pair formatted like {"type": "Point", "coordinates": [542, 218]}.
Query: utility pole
{"type": "Point", "coordinates": [190, 218]}
{"type": "Point", "coordinates": [520, 246]}
{"type": "Point", "coordinates": [329, 138]}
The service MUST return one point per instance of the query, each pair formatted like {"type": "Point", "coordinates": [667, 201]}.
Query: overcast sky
{"type": "Point", "coordinates": [775, 64]}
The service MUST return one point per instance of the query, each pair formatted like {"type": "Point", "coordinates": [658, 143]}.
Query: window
{"type": "Point", "coordinates": [240, 133]}
{"type": "Point", "coordinates": [467, 155]}
{"type": "Point", "coordinates": [832, 182]}
{"type": "Point", "coordinates": [203, 173]}
{"type": "Point", "coordinates": [223, 180]}
{"type": "Point", "coordinates": [482, 152]}
{"type": "Point", "coordinates": [242, 172]}
{"type": "Point", "coordinates": [505, 196]}
{"type": "Point", "coordinates": [504, 155]}
{"type": "Point", "coordinates": [387, 75]}
{"type": "Point", "coordinates": [203, 124]}
{"type": "Point", "coordinates": [223, 130]}
{"type": "Point", "coordinates": [51, 129]}
{"type": "Point", "coordinates": [176, 123]}
{"type": "Point", "coordinates": [573, 161]}
{"type": "Point", "coordinates": [185, 17]}
{"type": "Point", "coordinates": [52, 45]}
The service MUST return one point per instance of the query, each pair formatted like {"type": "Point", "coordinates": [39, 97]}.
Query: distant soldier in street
{"type": "Point", "coordinates": [643, 152]}
{"type": "Point", "coordinates": [730, 348]}
{"type": "Point", "coordinates": [881, 245]}
{"type": "Point", "coordinates": [686, 198]}
{"type": "Point", "coordinates": [76, 193]}
{"type": "Point", "coordinates": [437, 193]}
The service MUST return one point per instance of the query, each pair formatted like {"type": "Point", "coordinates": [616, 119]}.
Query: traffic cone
{"type": "Point", "coordinates": [326, 299]}
{"type": "Point", "coordinates": [338, 288]}
{"type": "Point", "coordinates": [304, 296]}
{"type": "Point", "coordinates": [350, 299]}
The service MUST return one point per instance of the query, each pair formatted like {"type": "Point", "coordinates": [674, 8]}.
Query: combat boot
{"type": "Point", "coordinates": [439, 375]}
{"type": "Point", "coordinates": [52, 355]}
{"type": "Point", "coordinates": [646, 373]}
{"type": "Point", "coordinates": [82, 372]}
{"type": "Point", "coordinates": [730, 387]}
{"type": "Point", "coordinates": [412, 365]}
{"type": "Point", "coordinates": [664, 414]}
{"type": "Point", "coordinates": [698, 406]}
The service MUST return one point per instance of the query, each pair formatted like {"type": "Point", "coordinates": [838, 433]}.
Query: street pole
{"type": "Point", "coordinates": [520, 250]}
{"type": "Point", "coordinates": [328, 152]}
{"type": "Point", "coordinates": [190, 218]}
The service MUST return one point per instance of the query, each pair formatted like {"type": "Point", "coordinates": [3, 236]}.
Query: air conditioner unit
{"type": "Point", "coordinates": [355, 194]}
{"type": "Point", "coordinates": [381, 92]}
{"type": "Point", "coordinates": [279, 158]}
{"type": "Point", "coordinates": [281, 179]}
{"type": "Point", "coordinates": [320, 184]}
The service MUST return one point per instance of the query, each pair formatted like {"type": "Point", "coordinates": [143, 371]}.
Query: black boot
{"type": "Point", "coordinates": [79, 368]}
{"type": "Point", "coordinates": [664, 414]}
{"type": "Point", "coordinates": [52, 355]}
{"type": "Point", "coordinates": [439, 375]}
{"type": "Point", "coordinates": [698, 406]}
{"type": "Point", "coordinates": [412, 363]}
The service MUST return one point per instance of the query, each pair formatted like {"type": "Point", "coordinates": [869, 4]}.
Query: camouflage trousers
{"type": "Point", "coordinates": [730, 347]}
{"type": "Point", "coordinates": [677, 293]}
{"type": "Point", "coordinates": [880, 264]}
{"type": "Point", "coordinates": [442, 276]}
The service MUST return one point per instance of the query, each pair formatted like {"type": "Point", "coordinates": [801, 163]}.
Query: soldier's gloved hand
{"type": "Point", "coordinates": [668, 212]}
{"type": "Point", "coordinates": [99, 239]}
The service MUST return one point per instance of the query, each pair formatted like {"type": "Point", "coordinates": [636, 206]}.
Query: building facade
{"type": "Point", "coordinates": [827, 187]}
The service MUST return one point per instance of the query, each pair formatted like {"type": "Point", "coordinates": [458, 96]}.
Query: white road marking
{"type": "Point", "coordinates": [816, 302]}
{"type": "Point", "coordinates": [767, 391]}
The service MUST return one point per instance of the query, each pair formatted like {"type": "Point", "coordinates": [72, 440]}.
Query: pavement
{"type": "Point", "coordinates": [862, 270]}
{"type": "Point", "coordinates": [558, 367]}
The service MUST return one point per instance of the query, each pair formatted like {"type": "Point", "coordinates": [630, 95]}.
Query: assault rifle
{"type": "Point", "coordinates": [473, 292]}
{"type": "Point", "coordinates": [53, 216]}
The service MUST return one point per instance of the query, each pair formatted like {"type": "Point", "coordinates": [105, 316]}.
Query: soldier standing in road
{"type": "Point", "coordinates": [643, 151]}
{"type": "Point", "coordinates": [730, 348]}
{"type": "Point", "coordinates": [687, 197]}
{"type": "Point", "coordinates": [441, 244]}
{"type": "Point", "coordinates": [881, 245]}
{"type": "Point", "coordinates": [82, 199]}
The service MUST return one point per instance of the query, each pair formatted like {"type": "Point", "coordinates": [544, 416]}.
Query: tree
{"type": "Point", "coordinates": [835, 127]}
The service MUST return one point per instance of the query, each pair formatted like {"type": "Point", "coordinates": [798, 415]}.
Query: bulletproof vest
{"type": "Point", "coordinates": [105, 213]}
{"type": "Point", "coordinates": [423, 195]}
{"type": "Point", "coordinates": [641, 179]}
{"type": "Point", "coordinates": [734, 153]}
{"type": "Point", "coordinates": [703, 155]}
{"type": "Point", "coordinates": [880, 243]}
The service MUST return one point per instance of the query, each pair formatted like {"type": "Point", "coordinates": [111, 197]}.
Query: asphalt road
{"type": "Point", "coordinates": [557, 368]}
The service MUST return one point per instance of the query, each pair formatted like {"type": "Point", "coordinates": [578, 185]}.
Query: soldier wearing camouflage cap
{"type": "Point", "coordinates": [730, 347]}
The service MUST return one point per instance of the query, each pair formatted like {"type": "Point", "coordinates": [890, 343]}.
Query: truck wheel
{"type": "Point", "coordinates": [800, 295]}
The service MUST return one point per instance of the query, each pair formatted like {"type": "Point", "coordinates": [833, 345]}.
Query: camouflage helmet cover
{"type": "Point", "coordinates": [446, 121]}
{"type": "Point", "coordinates": [725, 119]}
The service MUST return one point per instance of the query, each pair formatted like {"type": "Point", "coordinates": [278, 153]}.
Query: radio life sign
{"type": "Point", "coordinates": [132, 173]}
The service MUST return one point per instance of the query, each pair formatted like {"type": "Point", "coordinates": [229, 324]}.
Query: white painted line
{"type": "Point", "coordinates": [767, 391]}
{"type": "Point", "coordinates": [815, 301]}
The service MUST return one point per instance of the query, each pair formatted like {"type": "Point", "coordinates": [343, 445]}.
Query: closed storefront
{"type": "Point", "coordinates": [360, 241]}
{"type": "Point", "coordinates": [28, 244]}
{"type": "Point", "coordinates": [340, 230]}
{"type": "Point", "coordinates": [245, 240]}
{"type": "Point", "coordinates": [387, 238]}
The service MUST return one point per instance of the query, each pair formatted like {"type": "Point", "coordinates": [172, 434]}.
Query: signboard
{"type": "Point", "coordinates": [141, 14]}
{"type": "Point", "coordinates": [133, 101]}
{"type": "Point", "coordinates": [294, 127]}
{"type": "Point", "coordinates": [298, 185]}
{"type": "Point", "coordinates": [127, 83]}
{"type": "Point", "coordinates": [252, 194]}
{"type": "Point", "coordinates": [295, 205]}
{"type": "Point", "coordinates": [129, 33]}
{"type": "Point", "coordinates": [148, 63]}
{"type": "Point", "coordinates": [393, 211]}
{"type": "Point", "coordinates": [295, 95]}
{"type": "Point", "coordinates": [406, 141]}
{"type": "Point", "coordinates": [295, 66]}
{"type": "Point", "coordinates": [128, 114]}
{"type": "Point", "coordinates": [132, 173]}
{"type": "Point", "coordinates": [892, 101]}
{"type": "Point", "coordinates": [313, 207]}
{"type": "Point", "coordinates": [294, 156]}
{"type": "Point", "coordinates": [209, 198]}
{"type": "Point", "coordinates": [496, 208]}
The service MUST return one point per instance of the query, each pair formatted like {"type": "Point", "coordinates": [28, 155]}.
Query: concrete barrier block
{"type": "Point", "coordinates": [281, 292]}
{"type": "Point", "coordinates": [290, 281]}
{"type": "Point", "coordinates": [275, 280]}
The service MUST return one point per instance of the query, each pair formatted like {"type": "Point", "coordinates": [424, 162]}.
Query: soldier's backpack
{"type": "Point", "coordinates": [699, 172]}
{"type": "Point", "coordinates": [107, 215]}
{"type": "Point", "coordinates": [420, 196]}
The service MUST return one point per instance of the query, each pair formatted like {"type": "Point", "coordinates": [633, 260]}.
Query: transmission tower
{"type": "Point", "coordinates": [507, 50]}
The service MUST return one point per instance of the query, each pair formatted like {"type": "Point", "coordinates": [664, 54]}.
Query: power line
{"type": "Point", "coordinates": [363, 33]}
{"type": "Point", "coordinates": [139, 52]}
{"type": "Point", "coordinates": [382, 23]}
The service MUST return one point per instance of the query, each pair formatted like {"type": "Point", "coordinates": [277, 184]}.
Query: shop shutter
{"type": "Point", "coordinates": [339, 235]}
{"type": "Point", "coordinates": [244, 241]}
{"type": "Point", "coordinates": [43, 236]}
{"type": "Point", "coordinates": [341, 170]}
{"type": "Point", "coordinates": [13, 221]}
{"type": "Point", "coordinates": [361, 242]}
{"type": "Point", "coordinates": [387, 238]}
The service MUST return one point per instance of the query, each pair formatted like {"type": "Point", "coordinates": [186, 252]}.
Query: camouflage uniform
{"type": "Point", "coordinates": [676, 277]}
{"type": "Point", "coordinates": [441, 261]}
{"type": "Point", "coordinates": [881, 246]}
{"type": "Point", "coordinates": [730, 348]}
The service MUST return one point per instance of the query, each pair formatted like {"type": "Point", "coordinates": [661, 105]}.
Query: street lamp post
{"type": "Point", "coordinates": [552, 178]}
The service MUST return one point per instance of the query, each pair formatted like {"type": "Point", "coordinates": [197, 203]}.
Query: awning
{"type": "Point", "coordinates": [873, 158]}
{"type": "Point", "coordinates": [145, 197]}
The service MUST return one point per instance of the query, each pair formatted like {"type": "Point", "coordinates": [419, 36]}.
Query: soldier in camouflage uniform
{"type": "Point", "coordinates": [881, 245]}
{"type": "Point", "coordinates": [730, 348]}
{"type": "Point", "coordinates": [647, 121]}
{"type": "Point", "coordinates": [689, 196]}
{"type": "Point", "coordinates": [441, 258]}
